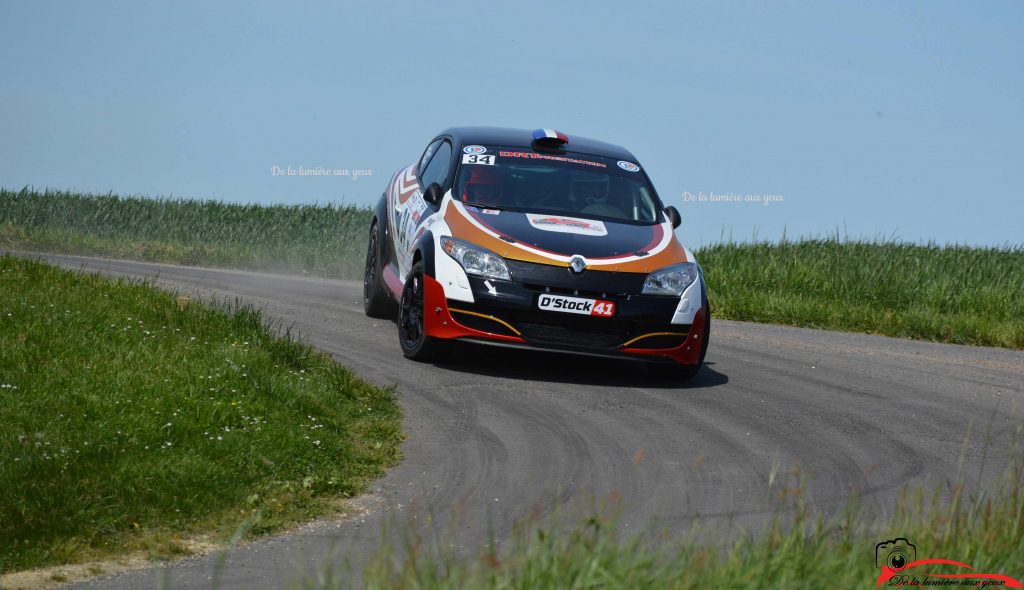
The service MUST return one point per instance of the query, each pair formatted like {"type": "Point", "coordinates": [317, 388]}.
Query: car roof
{"type": "Point", "coordinates": [509, 137]}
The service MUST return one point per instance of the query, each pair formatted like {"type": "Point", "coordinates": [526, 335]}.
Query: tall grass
{"type": "Point", "coordinates": [130, 417]}
{"type": "Point", "coordinates": [800, 549]}
{"type": "Point", "coordinates": [328, 240]}
{"type": "Point", "coordinates": [958, 294]}
{"type": "Point", "coordinates": [953, 294]}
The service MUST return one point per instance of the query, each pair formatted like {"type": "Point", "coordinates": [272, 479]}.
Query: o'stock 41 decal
{"type": "Point", "coordinates": [628, 166]}
{"type": "Point", "coordinates": [568, 225]}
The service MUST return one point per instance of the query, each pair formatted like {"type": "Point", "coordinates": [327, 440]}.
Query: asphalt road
{"type": "Point", "coordinates": [496, 435]}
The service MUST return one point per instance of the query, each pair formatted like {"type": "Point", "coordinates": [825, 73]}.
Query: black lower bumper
{"type": "Point", "coordinates": [510, 308]}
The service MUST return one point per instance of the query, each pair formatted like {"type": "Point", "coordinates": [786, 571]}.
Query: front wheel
{"type": "Point", "coordinates": [412, 336]}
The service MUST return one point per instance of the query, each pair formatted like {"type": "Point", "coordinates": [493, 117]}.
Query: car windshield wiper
{"type": "Point", "coordinates": [482, 206]}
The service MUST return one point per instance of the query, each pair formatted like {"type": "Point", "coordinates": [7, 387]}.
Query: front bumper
{"type": "Point", "coordinates": [506, 312]}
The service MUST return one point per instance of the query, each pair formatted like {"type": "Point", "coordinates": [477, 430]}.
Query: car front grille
{"type": "Point", "coordinates": [576, 337]}
{"type": "Point", "coordinates": [545, 277]}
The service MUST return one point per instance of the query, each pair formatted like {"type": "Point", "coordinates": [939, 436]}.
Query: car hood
{"type": "Point", "coordinates": [555, 238]}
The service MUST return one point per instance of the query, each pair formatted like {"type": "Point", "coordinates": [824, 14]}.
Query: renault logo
{"type": "Point", "coordinates": [577, 264]}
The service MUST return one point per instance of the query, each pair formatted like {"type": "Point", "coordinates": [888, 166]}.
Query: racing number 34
{"type": "Point", "coordinates": [485, 159]}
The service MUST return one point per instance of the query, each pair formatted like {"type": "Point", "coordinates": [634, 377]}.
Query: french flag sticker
{"type": "Point", "coordinates": [551, 135]}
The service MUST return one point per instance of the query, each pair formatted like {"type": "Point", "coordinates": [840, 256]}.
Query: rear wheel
{"type": "Point", "coordinates": [377, 303]}
{"type": "Point", "coordinates": [683, 373]}
{"type": "Point", "coordinates": [412, 336]}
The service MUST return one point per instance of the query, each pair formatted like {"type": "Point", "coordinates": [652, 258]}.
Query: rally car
{"type": "Point", "coordinates": [534, 239]}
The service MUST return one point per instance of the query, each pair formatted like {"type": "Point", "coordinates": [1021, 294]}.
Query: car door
{"type": "Point", "coordinates": [414, 213]}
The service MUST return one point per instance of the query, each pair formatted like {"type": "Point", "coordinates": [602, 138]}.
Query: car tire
{"type": "Point", "coordinates": [683, 373]}
{"type": "Point", "coordinates": [412, 337]}
{"type": "Point", "coordinates": [377, 303]}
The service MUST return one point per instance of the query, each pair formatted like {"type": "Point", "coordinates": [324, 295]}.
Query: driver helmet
{"type": "Point", "coordinates": [483, 186]}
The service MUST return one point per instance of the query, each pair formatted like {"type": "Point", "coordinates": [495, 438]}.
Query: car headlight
{"type": "Point", "coordinates": [671, 280]}
{"type": "Point", "coordinates": [476, 260]}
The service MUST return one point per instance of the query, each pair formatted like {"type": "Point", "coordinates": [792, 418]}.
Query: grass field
{"type": "Point", "coordinates": [326, 240]}
{"type": "Point", "coordinates": [801, 549]}
{"type": "Point", "coordinates": [947, 294]}
{"type": "Point", "coordinates": [132, 419]}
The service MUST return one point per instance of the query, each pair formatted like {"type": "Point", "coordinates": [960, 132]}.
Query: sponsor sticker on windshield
{"type": "Point", "coordinates": [536, 156]}
{"type": "Point", "coordinates": [474, 149]}
{"type": "Point", "coordinates": [568, 225]}
{"type": "Point", "coordinates": [628, 166]}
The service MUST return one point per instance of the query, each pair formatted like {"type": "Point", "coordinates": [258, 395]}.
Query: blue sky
{"type": "Point", "coordinates": [886, 119]}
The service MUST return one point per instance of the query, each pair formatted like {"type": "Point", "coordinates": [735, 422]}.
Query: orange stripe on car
{"type": "Point", "coordinates": [461, 227]}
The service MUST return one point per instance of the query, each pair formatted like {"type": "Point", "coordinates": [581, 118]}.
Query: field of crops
{"type": "Point", "coordinates": [945, 293]}
{"type": "Point", "coordinates": [953, 294]}
{"type": "Point", "coordinates": [327, 240]}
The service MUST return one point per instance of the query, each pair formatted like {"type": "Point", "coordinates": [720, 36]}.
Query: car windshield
{"type": "Point", "coordinates": [519, 179]}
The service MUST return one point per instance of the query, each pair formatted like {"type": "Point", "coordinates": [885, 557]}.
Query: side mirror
{"type": "Point", "coordinates": [434, 194]}
{"type": "Point", "coordinates": [673, 216]}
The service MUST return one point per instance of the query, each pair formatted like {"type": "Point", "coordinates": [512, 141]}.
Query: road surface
{"type": "Point", "coordinates": [495, 435]}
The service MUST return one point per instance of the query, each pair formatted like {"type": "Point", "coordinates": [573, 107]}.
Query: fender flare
{"type": "Point", "coordinates": [703, 289]}
{"type": "Point", "coordinates": [424, 251]}
{"type": "Point", "coordinates": [380, 215]}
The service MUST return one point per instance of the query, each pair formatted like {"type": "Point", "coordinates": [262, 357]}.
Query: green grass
{"type": "Point", "coordinates": [131, 418]}
{"type": "Point", "coordinates": [953, 294]}
{"type": "Point", "coordinates": [800, 549]}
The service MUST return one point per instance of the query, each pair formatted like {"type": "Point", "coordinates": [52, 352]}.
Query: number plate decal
{"type": "Point", "coordinates": [578, 305]}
